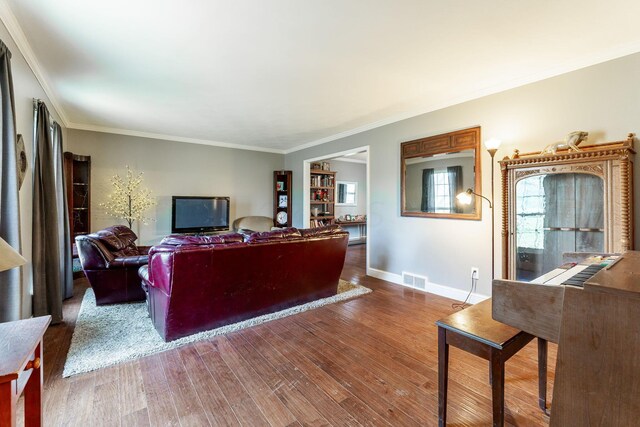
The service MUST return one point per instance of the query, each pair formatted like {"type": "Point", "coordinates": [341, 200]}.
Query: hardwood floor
{"type": "Point", "coordinates": [369, 361]}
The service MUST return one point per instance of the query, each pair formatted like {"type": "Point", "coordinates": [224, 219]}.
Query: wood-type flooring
{"type": "Point", "coordinates": [368, 361]}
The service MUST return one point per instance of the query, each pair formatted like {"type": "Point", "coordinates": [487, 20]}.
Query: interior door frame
{"type": "Point", "coordinates": [306, 187]}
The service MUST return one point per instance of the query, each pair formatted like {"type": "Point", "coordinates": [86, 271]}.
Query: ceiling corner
{"type": "Point", "coordinates": [20, 39]}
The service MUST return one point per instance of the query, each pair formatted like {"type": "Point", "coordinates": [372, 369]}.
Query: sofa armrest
{"type": "Point", "coordinates": [92, 253]}
{"type": "Point", "coordinates": [129, 262]}
{"type": "Point", "coordinates": [143, 273]}
{"type": "Point", "coordinates": [158, 274]}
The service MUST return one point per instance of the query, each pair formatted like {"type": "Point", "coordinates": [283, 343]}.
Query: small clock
{"type": "Point", "coordinates": [281, 217]}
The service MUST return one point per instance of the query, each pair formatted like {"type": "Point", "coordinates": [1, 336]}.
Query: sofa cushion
{"type": "Point", "coordinates": [178, 239]}
{"type": "Point", "coordinates": [290, 233]}
{"type": "Point", "coordinates": [129, 261]}
{"type": "Point", "coordinates": [321, 231]}
{"type": "Point", "coordinates": [119, 239]}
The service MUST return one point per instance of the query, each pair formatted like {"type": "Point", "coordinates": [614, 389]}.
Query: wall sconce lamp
{"type": "Point", "coordinates": [9, 257]}
{"type": "Point", "coordinates": [466, 197]}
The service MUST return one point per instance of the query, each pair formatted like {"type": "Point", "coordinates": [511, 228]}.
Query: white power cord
{"type": "Point", "coordinates": [474, 282]}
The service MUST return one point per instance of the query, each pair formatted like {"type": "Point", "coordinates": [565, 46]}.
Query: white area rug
{"type": "Point", "coordinates": [112, 334]}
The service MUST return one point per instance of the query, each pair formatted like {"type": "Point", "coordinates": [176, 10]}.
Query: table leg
{"type": "Point", "coordinates": [33, 392]}
{"type": "Point", "coordinates": [443, 376]}
{"type": "Point", "coordinates": [8, 402]}
{"type": "Point", "coordinates": [497, 386]}
{"type": "Point", "coordinates": [542, 374]}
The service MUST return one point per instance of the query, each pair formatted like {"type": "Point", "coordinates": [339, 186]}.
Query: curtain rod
{"type": "Point", "coordinates": [35, 102]}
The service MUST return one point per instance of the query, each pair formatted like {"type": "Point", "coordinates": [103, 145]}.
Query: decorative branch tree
{"type": "Point", "coordinates": [129, 199]}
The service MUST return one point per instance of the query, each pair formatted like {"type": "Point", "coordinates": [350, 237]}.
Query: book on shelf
{"type": "Point", "coordinates": [320, 222]}
{"type": "Point", "coordinates": [322, 181]}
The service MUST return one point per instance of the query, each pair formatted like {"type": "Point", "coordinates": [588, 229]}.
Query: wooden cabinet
{"type": "Point", "coordinates": [282, 199]}
{"type": "Point", "coordinates": [322, 197]}
{"type": "Point", "coordinates": [77, 175]}
{"type": "Point", "coordinates": [587, 206]}
{"type": "Point", "coordinates": [21, 370]}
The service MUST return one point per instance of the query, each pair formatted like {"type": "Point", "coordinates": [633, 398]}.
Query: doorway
{"type": "Point", "coordinates": [345, 201]}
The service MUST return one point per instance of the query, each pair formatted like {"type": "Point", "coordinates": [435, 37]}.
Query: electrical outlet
{"type": "Point", "coordinates": [475, 273]}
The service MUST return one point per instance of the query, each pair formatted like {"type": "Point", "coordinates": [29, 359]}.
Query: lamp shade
{"type": "Point", "coordinates": [465, 197]}
{"type": "Point", "coordinates": [492, 144]}
{"type": "Point", "coordinates": [9, 257]}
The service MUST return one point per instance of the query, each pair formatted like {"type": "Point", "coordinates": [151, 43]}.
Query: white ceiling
{"type": "Point", "coordinates": [279, 75]}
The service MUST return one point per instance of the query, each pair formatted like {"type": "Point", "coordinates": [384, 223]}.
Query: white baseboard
{"type": "Point", "coordinates": [432, 288]}
{"type": "Point", "coordinates": [384, 275]}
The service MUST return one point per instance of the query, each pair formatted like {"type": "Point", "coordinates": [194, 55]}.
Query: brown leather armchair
{"type": "Point", "coordinates": [253, 223]}
{"type": "Point", "coordinates": [110, 260]}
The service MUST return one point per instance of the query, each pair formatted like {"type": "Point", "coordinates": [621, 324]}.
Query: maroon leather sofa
{"type": "Point", "coordinates": [200, 283]}
{"type": "Point", "coordinates": [110, 260]}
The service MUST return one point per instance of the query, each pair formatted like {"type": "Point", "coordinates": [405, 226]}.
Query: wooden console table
{"type": "Point", "coordinates": [474, 330]}
{"type": "Point", "coordinates": [362, 230]}
{"type": "Point", "coordinates": [21, 369]}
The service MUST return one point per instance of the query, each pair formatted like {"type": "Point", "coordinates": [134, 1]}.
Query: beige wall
{"type": "Point", "coordinates": [176, 169]}
{"type": "Point", "coordinates": [603, 100]}
{"type": "Point", "coordinates": [25, 88]}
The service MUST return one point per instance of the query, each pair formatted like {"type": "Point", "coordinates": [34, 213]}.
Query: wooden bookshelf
{"type": "Point", "coordinates": [322, 197]}
{"type": "Point", "coordinates": [77, 174]}
{"type": "Point", "coordinates": [282, 199]}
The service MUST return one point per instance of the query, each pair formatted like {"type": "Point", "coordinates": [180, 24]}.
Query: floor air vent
{"type": "Point", "coordinates": [414, 281]}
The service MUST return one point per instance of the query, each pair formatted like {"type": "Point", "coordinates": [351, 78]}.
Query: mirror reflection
{"type": "Point", "coordinates": [347, 193]}
{"type": "Point", "coordinates": [556, 213]}
{"type": "Point", "coordinates": [432, 182]}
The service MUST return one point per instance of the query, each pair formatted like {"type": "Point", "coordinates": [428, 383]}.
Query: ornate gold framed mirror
{"type": "Point", "coordinates": [571, 201]}
{"type": "Point", "coordinates": [437, 168]}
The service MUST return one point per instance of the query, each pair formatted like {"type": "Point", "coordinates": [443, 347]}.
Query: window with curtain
{"type": "Point", "coordinates": [14, 297]}
{"type": "Point", "coordinates": [442, 193]}
{"type": "Point", "coordinates": [439, 189]}
{"type": "Point", "coordinates": [51, 241]}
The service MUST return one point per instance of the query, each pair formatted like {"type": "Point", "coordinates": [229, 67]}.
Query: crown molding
{"type": "Point", "coordinates": [19, 38]}
{"type": "Point", "coordinates": [563, 68]}
{"type": "Point", "coordinates": [175, 138]}
{"type": "Point", "coordinates": [16, 32]}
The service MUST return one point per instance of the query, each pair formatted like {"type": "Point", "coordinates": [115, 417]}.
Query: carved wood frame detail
{"type": "Point", "coordinates": [599, 160]}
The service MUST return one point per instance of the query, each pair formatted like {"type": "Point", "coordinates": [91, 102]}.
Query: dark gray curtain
{"type": "Point", "coordinates": [11, 292]}
{"type": "Point", "coordinates": [64, 233]}
{"type": "Point", "coordinates": [455, 187]}
{"type": "Point", "coordinates": [341, 193]}
{"type": "Point", "coordinates": [47, 277]}
{"type": "Point", "coordinates": [572, 201]}
{"type": "Point", "coordinates": [428, 191]}
{"type": "Point", "coordinates": [589, 213]}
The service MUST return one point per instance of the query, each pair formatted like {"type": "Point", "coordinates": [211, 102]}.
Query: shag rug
{"type": "Point", "coordinates": [117, 333]}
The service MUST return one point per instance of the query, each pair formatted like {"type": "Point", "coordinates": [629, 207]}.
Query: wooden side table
{"type": "Point", "coordinates": [21, 369]}
{"type": "Point", "coordinates": [474, 330]}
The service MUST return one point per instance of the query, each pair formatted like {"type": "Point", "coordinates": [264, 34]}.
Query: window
{"type": "Point", "coordinates": [530, 213]}
{"type": "Point", "coordinates": [347, 193]}
{"type": "Point", "coordinates": [443, 198]}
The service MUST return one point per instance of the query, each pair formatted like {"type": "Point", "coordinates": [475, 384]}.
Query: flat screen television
{"type": "Point", "coordinates": [199, 214]}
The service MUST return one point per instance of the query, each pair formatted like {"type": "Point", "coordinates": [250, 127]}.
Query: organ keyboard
{"type": "Point", "coordinates": [592, 310]}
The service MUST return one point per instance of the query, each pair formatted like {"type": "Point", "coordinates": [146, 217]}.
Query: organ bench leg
{"type": "Point", "coordinates": [542, 374]}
